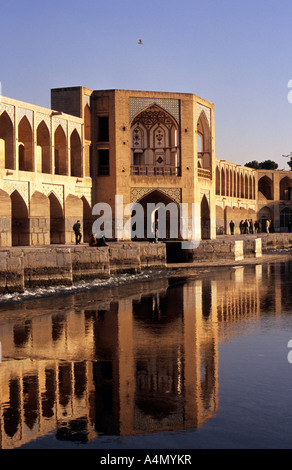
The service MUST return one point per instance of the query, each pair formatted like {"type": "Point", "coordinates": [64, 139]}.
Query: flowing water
{"type": "Point", "coordinates": [187, 360]}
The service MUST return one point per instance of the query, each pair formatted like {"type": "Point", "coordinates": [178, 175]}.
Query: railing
{"type": "Point", "coordinates": [203, 173]}
{"type": "Point", "coordinates": [155, 170]}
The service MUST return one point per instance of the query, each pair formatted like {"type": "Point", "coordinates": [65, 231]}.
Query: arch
{"type": "Point", "coordinates": [265, 186]}
{"type": "Point", "coordinates": [217, 181]}
{"type": "Point", "coordinates": [227, 182]}
{"type": "Point", "coordinates": [286, 218]}
{"type": "Point", "coordinates": [75, 154]}
{"type": "Point", "coordinates": [25, 140]}
{"type": "Point", "coordinates": [73, 212]}
{"type": "Point", "coordinates": [265, 214]}
{"type": "Point", "coordinates": [87, 219]}
{"type": "Point", "coordinates": [20, 220]}
{"type": "Point", "coordinates": [155, 142]}
{"type": "Point", "coordinates": [223, 181]}
{"type": "Point", "coordinates": [251, 187]}
{"type": "Point", "coordinates": [286, 189]}
{"type": "Point", "coordinates": [57, 223]}
{"type": "Point", "coordinates": [87, 122]}
{"type": "Point", "coordinates": [246, 187]}
{"type": "Point", "coordinates": [61, 165]}
{"type": "Point", "coordinates": [159, 204]}
{"type": "Point", "coordinates": [44, 148]}
{"type": "Point", "coordinates": [5, 219]}
{"type": "Point", "coordinates": [205, 219]}
{"type": "Point", "coordinates": [241, 186]}
{"type": "Point", "coordinates": [6, 135]}
{"type": "Point", "coordinates": [204, 134]}
{"type": "Point", "coordinates": [39, 219]}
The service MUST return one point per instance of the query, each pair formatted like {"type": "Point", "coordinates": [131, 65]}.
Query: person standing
{"type": "Point", "coordinates": [231, 225]}
{"type": "Point", "coordinates": [77, 231]}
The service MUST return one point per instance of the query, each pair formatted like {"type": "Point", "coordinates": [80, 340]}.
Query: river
{"type": "Point", "coordinates": [184, 360]}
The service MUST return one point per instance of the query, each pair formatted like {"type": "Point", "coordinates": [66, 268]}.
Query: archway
{"type": "Point", "coordinates": [285, 218]}
{"type": "Point", "coordinates": [265, 186]}
{"type": "Point", "coordinates": [57, 223]}
{"type": "Point", "coordinates": [5, 219]}
{"type": "Point", "coordinates": [39, 219]}
{"type": "Point", "coordinates": [25, 142]}
{"type": "Point", "coordinates": [265, 214]}
{"type": "Point", "coordinates": [43, 144]}
{"type": "Point", "coordinates": [20, 220]}
{"type": "Point", "coordinates": [76, 154]}
{"type": "Point", "coordinates": [6, 134]}
{"type": "Point", "coordinates": [157, 206]}
{"type": "Point", "coordinates": [286, 189]}
{"type": "Point", "coordinates": [205, 219]}
{"type": "Point", "coordinates": [60, 152]}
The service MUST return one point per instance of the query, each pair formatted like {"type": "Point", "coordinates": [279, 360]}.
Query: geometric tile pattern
{"type": "Point", "coordinates": [57, 189]}
{"type": "Point", "coordinates": [172, 106]}
{"type": "Point", "coordinates": [207, 111]}
{"type": "Point", "coordinates": [173, 193]}
{"type": "Point", "coordinates": [22, 187]}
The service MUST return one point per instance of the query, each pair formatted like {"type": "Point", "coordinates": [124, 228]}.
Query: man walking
{"type": "Point", "coordinates": [77, 231]}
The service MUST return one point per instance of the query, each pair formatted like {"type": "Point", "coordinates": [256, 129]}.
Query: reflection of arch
{"type": "Point", "coordinates": [286, 189]}
{"type": "Point", "coordinates": [265, 186]}
{"type": "Point", "coordinates": [26, 145]}
{"type": "Point", "coordinates": [205, 219]}
{"type": "Point", "coordinates": [60, 151]}
{"type": "Point", "coordinates": [43, 142]}
{"type": "Point", "coordinates": [57, 225]}
{"type": "Point", "coordinates": [76, 154]}
{"type": "Point", "coordinates": [168, 211]}
{"type": "Point", "coordinates": [20, 220]}
{"type": "Point", "coordinates": [6, 134]}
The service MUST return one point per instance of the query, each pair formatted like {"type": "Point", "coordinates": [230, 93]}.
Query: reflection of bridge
{"type": "Point", "coordinates": [145, 363]}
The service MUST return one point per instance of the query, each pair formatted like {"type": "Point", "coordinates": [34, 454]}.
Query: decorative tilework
{"type": "Point", "coordinates": [82, 191]}
{"type": "Point", "coordinates": [43, 117]}
{"type": "Point", "coordinates": [172, 106]}
{"type": "Point", "coordinates": [60, 122]}
{"type": "Point", "coordinates": [25, 112]}
{"type": "Point", "coordinates": [207, 111]}
{"type": "Point", "coordinates": [22, 187]}
{"type": "Point", "coordinates": [173, 193]}
{"type": "Point", "coordinates": [57, 189]}
{"type": "Point", "coordinates": [9, 110]}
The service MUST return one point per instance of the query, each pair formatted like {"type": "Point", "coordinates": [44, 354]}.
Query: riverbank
{"type": "Point", "coordinates": [32, 267]}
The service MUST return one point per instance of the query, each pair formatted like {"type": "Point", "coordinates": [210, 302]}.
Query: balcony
{"type": "Point", "coordinates": [155, 170]}
{"type": "Point", "coordinates": [203, 173]}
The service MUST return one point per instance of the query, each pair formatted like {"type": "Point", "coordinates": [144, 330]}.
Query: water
{"type": "Point", "coordinates": [192, 360]}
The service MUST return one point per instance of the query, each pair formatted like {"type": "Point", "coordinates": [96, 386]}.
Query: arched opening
{"type": "Point", "coordinates": [246, 187]}
{"type": "Point", "coordinates": [43, 146]}
{"type": "Point", "coordinates": [75, 154]}
{"type": "Point", "coordinates": [286, 189]}
{"type": "Point", "coordinates": [5, 219]}
{"type": "Point", "coordinates": [241, 186]}
{"type": "Point", "coordinates": [205, 219]}
{"type": "Point", "coordinates": [20, 220]}
{"type": "Point", "coordinates": [159, 210]}
{"type": "Point", "coordinates": [87, 122]}
{"type": "Point", "coordinates": [217, 181]}
{"type": "Point", "coordinates": [286, 219]}
{"type": "Point", "coordinates": [25, 141]}
{"type": "Point", "coordinates": [155, 148]}
{"type": "Point", "coordinates": [265, 186]}
{"type": "Point", "coordinates": [204, 134]}
{"type": "Point", "coordinates": [250, 188]}
{"type": "Point", "coordinates": [87, 219]}
{"type": "Point", "coordinates": [227, 182]}
{"type": "Point", "coordinates": [6, 136]}
{"type": "Point", "coordinates": [61, 167]}
{"type": "Point", "coordinates": [57, 223]}
{"type": "Point", "coordinates": [265, 214]}
{"type": "Point", "coordinates": [73, 212]}
{"type": "Point", "coordinates": [223, 193]}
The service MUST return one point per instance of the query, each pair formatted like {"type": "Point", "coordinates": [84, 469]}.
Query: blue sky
{"type": "Point", "coordinates": [235, 53]}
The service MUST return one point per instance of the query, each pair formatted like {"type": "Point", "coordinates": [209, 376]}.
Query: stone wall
{"type": "Point", "coordinates": [28, 267]}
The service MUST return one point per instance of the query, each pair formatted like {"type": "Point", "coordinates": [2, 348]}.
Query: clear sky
{"type": "Point", "coordinates": [234, 53]}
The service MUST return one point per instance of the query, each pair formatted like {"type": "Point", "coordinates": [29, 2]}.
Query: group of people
{"type": "Point", "coordinates": [93, 240]}
{"type": "Point", "coordinates": [248, 226]}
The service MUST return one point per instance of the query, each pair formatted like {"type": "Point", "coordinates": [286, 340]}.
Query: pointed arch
{"type": "Point", "coordinates": [286, 189]}
{"type": "Point", "coordinates": [75, 154]}
{"type": "Point", "coordinates": [205, 219]}
{"type": "Point", "coordinates": [265, 186]}
{"type": "Point", "coordinates": [44, 164]}
{"type": "Point", "coordinates": [20, 220]}
{"type": "Point", "coordinates": [87, 122]}
{"type": "Point", "coordinates": [61, 164]}
{"type": "Point", "coordinates": [6, 148]}
{"type": "Point", "coordinates": [57, 222]}
{"type": "Point", "coordinates": [218, 182]}
{"type": "Point", "coordinates": [25, 143]}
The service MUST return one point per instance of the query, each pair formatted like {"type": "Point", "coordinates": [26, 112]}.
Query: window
{"type": "Point", "coordinates": [103, 129]}
{"type": "Point", "coordinates": [103, 162]}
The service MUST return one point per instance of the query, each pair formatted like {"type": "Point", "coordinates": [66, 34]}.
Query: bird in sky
{"type": "Point", "coordinates": [140, 42]}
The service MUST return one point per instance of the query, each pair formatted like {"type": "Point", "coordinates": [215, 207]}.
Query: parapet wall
{"type": "Point", "coordinates": [28, 267]}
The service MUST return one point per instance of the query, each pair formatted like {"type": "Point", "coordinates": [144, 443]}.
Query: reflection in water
{"type": "Point", "coordinates": [145, 360]}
